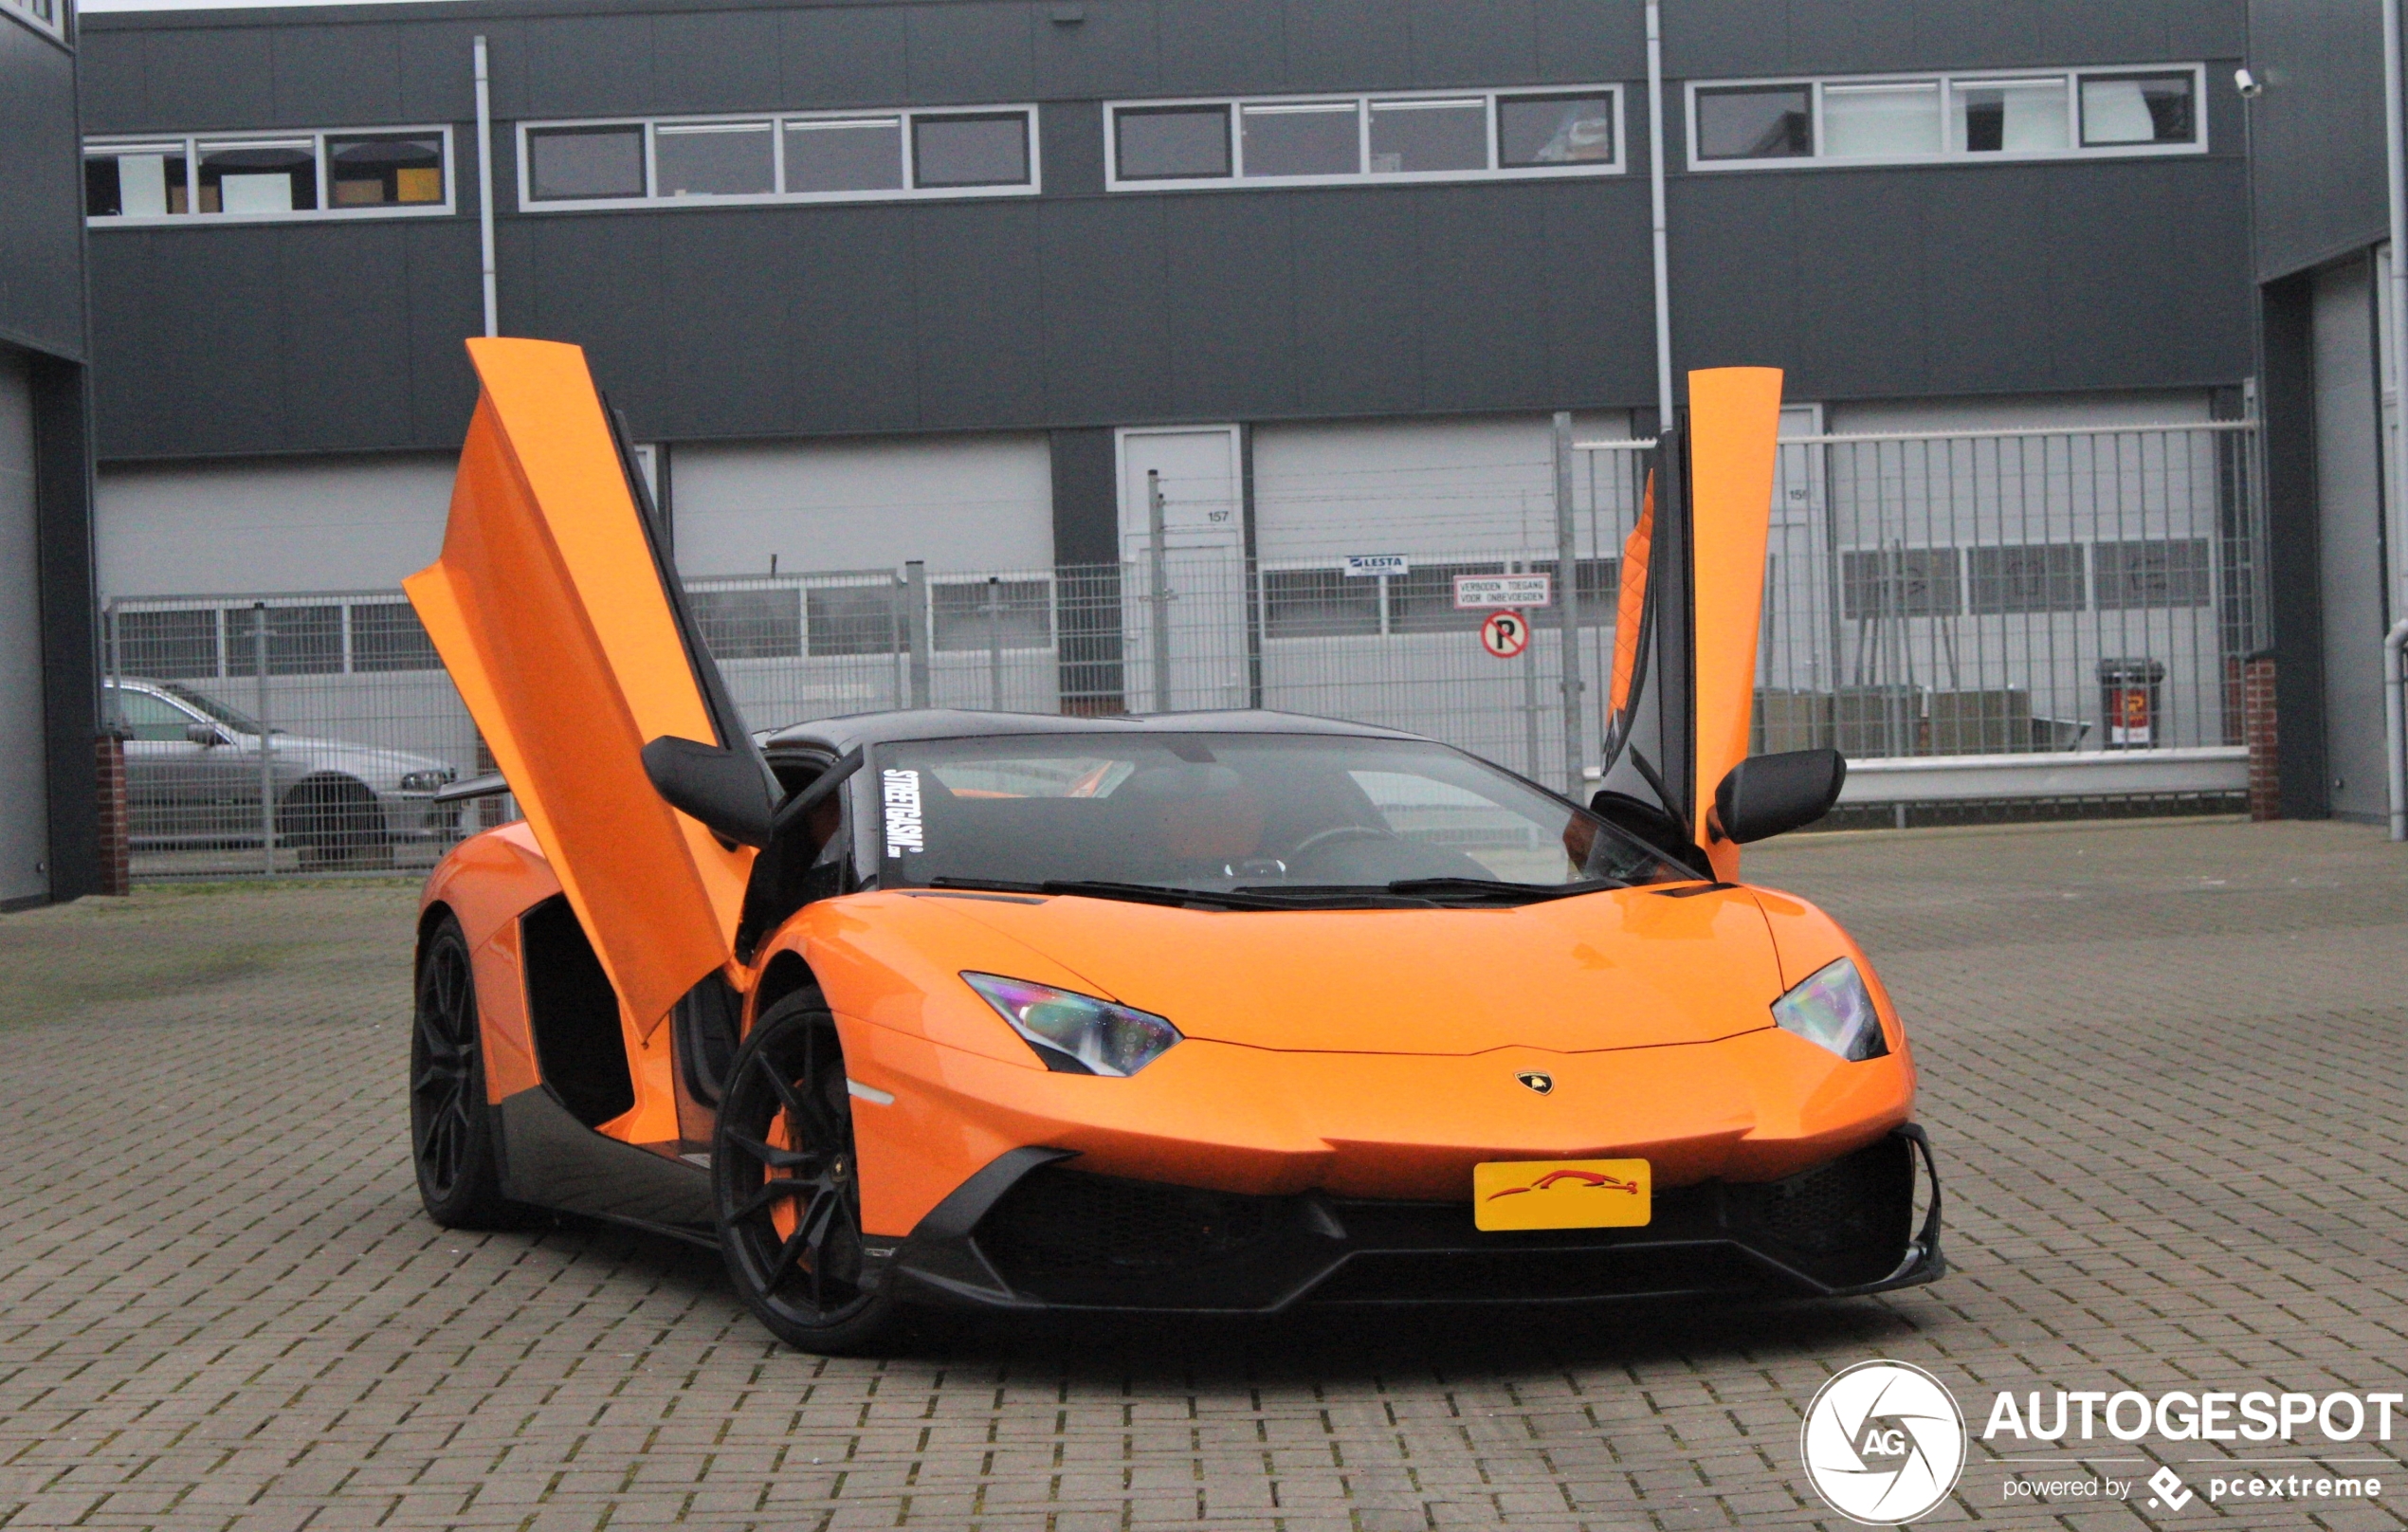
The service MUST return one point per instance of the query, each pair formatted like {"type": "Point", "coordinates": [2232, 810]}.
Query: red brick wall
{"type": "Point", "coordinates": [2257, 726]}
{"type": "Point", "coordinates": [116, 856]}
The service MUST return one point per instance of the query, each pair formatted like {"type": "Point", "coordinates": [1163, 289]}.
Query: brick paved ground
{"type": "Point", "coordinates": [2164, 1064]}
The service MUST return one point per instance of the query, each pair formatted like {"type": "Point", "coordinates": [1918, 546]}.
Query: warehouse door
{"type": "Point", "coordinates": [25, 825]}
{"type": "Point", "coordinates": [2349, 537]}
{"type": "Point", "coordinates": [1183, 568]}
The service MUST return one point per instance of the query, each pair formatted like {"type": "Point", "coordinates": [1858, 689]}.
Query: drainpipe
{"type": "Point", "coordinates": [2396, 363]}
{"type": "Point", "coordinates": [484, 192]}
{"type": "Point", "coordinates": [2394, 746]}
{"type": "Point", "coordinates": [1655, 211]}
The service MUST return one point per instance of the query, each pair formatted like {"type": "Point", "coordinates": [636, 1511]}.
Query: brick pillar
{"type": "Point", "coordinates": [2257, 727]}
{"type": "Point", "coordinates": [117, 875]}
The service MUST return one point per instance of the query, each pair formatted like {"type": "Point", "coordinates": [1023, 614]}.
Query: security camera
{"type": "Point", "coordinates": [2248, 84]}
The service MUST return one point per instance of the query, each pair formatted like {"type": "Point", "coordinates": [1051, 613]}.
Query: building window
{"type": "Point", "coordinates": [1754, 122]}
{"type": "Point", "coordinates": [1333, 140]}
{"type": "Point", "coordinates": [2035, 577]}
{"type": "Point", "coordinates": [2145, 576]}
{"type": "Point", "coordinates": [1536, 132]}
{"type": "Point", "coordinates": [1898, 119]}
{"type": "Point", "coordinates": [853, 619]}
{"type": "Point", "coordinates": [45, 16]}
{"type": "Point", "coordinates": [760, 623]}
{"type": "Point", "coordinates": [715, 159]}
{"type": "Point", "coordinates": [2137, 109]}
{"type": "Point", "coordinates": [844, 155]}
{"type": "Point", "coordinates": [989, 614]}
{"type": "Point", "coordinates": [1422, 600]}
{"type": "Point", "coordinates": [585, 164]}
{"type": "Point", "coordinates": [824, 157]}
{"type": "Point", "coordinates": [355, 174]}
{"type": "Point", "coordinates": [1319, 603]}
{"type": "Point", "coordinates": [1172, 143]}
{"type": "Point", "coordinates": [1900, 582]}
{"type": "Point", "coordinates": [301, 641]}
{"type": "Point", "coordinates": [387, 636]}
{"type": "Point", "coordinates": [174, 645]}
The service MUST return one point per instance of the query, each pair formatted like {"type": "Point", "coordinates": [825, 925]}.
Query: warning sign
{"type": "Point", "coordinates": [1505, 634]}
{"type": "Point", "coordinates": [1476, 591]}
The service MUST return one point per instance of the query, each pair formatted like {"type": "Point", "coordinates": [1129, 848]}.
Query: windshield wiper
{"type": "Point", "coordinates": [1136, 893]}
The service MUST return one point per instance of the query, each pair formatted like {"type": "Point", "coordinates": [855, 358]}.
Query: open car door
{"type": "Point", "coordinates": [1684, 687]}
{"type": "Point", "coordinates": [567, 634]}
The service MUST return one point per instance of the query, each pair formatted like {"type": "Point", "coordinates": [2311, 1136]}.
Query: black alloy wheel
{"type": "Point", "coordinates": [450, 1128]}
{"type": "Point", "coordinates": [787, 1186]}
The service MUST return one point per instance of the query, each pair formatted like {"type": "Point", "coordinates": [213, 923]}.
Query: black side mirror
{"type": "Point", "coordinates": [725, 788]}
{"type": "Point", "coordinates": [203, 735]}
{"type": "Point", "coordinates": [1766, 796]}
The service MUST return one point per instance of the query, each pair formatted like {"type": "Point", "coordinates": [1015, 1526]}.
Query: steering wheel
{"type": "Point", "coordinates": [1341, 833]}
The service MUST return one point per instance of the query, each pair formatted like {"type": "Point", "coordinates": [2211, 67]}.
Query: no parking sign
{"type": "Point", "coordinates": [1504, 634]}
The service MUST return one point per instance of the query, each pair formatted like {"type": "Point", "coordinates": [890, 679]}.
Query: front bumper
{"type": "Point", "coordinates": [1031, 1232]}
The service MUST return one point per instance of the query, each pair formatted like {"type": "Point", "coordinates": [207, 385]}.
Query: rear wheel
{"type": "Point", "coordinates": [787, 1187]}
{"type": "Point", "coordinates": [450, 1128]}
{"type": "Point", "coordinates": [335, 822]}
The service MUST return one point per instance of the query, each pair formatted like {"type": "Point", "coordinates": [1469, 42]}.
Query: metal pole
{"type": "Point", "coordinates": [994, 642]}
{"type": "Point", "coordinates": [2396, 182]}
{"type": "Point", "coordinates": [1158, 557]}
{"type": "Point", "coordinates": [267, 761]}
{"type": "Point", "coordinates": [2394, 746]}
{"type": "Point", "coordinates": [916, 626]}
{"type": "Point", "coordinates": [1655, 210]}
{"type": "Point", "coordinates": [1568, 565]}
{"type": "Point", "coordinates": [484, 192]}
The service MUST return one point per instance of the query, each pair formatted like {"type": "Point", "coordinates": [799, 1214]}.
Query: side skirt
{"type": "Point", "coordinates": [550, 1159]}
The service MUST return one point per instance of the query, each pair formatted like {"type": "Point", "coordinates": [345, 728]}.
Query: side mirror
{"type": "Point", "coordinates": [203, 735]}
{"type": "Point", "coordinates": [725, 788]}
{"type": "Point", "coordinates": [1767, 795]}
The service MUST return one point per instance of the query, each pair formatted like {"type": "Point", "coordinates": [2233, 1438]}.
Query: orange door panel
{"type": "Point", "coordinates": [1734, 437]}
{"type": "Point", "coordinates": [548, 608]}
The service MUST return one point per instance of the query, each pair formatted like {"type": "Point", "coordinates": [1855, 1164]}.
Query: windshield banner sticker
{"type": "Point", "coordinates": [903, 811]}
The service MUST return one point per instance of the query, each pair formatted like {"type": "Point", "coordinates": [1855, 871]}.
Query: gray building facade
{"type": "Point", "coordinates": [48, 834]}
{"type": "Point", "coordinates": [2323, 262]}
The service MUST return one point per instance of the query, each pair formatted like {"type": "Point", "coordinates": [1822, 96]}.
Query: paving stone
{"type": "Point", "coordinates": [2161, 1064]}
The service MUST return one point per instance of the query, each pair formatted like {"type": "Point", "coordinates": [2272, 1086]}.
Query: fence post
{"type": "Point", "coordinates": [1157, 556]}
{"type": "Point", "coordinates": [1568, 565]}
{"type": "Point", "coordinates": [994, 642]}
{"type": "Point", "coordinates": [266, 757]}
{"type": "Point", "coordinates": [915, 628]}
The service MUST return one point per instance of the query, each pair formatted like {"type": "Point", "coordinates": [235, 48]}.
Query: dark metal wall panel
{"type": "Point", "coordinates": [2294, 572]}
{"type": "Point", "coordinates": [2317, 132]}
{"type": "Point", "coordinates": [41, 197]}
{"type": "Point", "coordinates": [70, 655]}
{"type": "Point", "coordinates": [1079, 308]}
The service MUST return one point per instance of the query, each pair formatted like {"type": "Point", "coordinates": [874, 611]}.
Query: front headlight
{"type": "Point", "coordinates": [1076, 1034]}
{"type": "Point", "coordinates": [1832, 1009]}
{"type": "Point", "coordinates": [427, 782]}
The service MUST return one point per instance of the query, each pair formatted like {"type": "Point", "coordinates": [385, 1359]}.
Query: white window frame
{"type": "Point", "coordinates": [189, 145]}
{"type": "Point", "coordinates": [53, 27]}
{"type": "Point", "coordinates": [1362, 102]}
{"type": "Point", "coordinates": [1951, 151]}
{"type": "Point", "coordinates": [653, 201]}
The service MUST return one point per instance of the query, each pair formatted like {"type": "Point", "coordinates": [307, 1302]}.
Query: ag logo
{"type": "Point", "coordinates": [1882, 1442]}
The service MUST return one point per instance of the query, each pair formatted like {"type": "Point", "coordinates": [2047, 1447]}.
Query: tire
{"type": "Point", "coordinates": [450, 1126]}
{"type": "Point", "coordinates": [333, 821]}
{"type": "Point", "coordinates": [786, 1186]}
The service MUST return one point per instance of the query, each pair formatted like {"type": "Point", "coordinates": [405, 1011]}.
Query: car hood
{"type": "Point", "coordinates": [366, 761]}
{"type": "Point", "coordinates": [1627, 968]}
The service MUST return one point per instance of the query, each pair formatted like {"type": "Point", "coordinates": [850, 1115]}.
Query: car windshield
{"type": "Point", "coordinates": [1263, 818]}
{"type": "Point", "coordinates": [233, 717]}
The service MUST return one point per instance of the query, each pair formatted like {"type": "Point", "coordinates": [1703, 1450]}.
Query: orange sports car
{"type": "Point", "coordinates": [1228, 1011]}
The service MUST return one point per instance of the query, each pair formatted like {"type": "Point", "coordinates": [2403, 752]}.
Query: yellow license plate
{"type": "Point", "coordinates": [1561, 1193]}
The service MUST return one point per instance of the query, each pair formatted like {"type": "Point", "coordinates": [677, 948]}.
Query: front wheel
{"type": "Point", "coordinates": [787, 1186]}
{"type": "Point", "coordinates": [451, 1125]}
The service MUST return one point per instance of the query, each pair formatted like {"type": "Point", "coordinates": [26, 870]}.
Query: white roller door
{"type": "Point", "coordinates": [964, 503]}
{"type": "Point", "coordinates": [1447, 487]}
{"type": "Point", "coordinates": [294, 526]}
{"type": "Point", "coordinates": [25, 827]}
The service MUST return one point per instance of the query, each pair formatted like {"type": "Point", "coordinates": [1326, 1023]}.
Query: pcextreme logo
{"type": "Point", "coordinates": [1882, 1442]}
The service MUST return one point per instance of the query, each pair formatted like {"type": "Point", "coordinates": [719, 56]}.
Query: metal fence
{"type": "Point", "coordinates": [1995, 594]}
